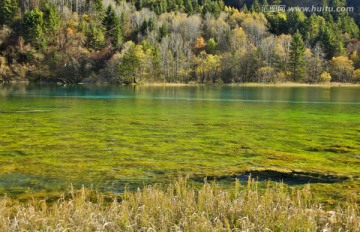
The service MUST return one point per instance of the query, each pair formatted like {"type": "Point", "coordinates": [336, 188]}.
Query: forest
{"type": "Point", "coordinates": [176, 41]}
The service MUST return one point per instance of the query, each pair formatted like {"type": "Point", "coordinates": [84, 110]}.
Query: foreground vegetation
{"type": "Point", "coordinates": [176, 41]}
{"type": "Point", "coordinates": [181, 207]}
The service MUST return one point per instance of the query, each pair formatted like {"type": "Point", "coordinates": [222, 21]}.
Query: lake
{"type": "Point", "coordinates": [108, 137]}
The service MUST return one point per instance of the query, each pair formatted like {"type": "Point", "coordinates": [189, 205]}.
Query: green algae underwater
{"type": "Point", "coordinates": [110, 137]}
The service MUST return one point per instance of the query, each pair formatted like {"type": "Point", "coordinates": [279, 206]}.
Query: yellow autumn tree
{"type": "Point", "coordinates": [208, 67]}
{"type": "Point", "coordinates": [341, 69]}
{"type": "Point", "coordinates": [200, 43]}
{"type": "Point", "coordinates": [356, 76]}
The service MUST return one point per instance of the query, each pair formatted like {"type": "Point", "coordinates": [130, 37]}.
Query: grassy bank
{"type": "Point", "coordinates": [181, 207]}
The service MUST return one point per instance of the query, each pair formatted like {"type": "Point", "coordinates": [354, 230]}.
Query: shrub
{"type": "Point", "coordinates": [325, 77]}
{"type": "Point", "coordinates": [356, 76]}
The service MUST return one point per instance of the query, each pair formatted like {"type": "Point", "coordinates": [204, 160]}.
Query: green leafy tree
{"type": "Point", "coordinates": [211, 46]}
{"type": "Point", "coordinates": [297, 58]}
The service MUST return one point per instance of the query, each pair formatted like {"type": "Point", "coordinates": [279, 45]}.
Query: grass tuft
{"type": "Point", "coordinates": [182, 207]}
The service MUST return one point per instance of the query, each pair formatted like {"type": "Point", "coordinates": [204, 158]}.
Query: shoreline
{"type": "Point", "coordinates": [252, 84]}
{"type": "Point", "coordinates": [161, 84]}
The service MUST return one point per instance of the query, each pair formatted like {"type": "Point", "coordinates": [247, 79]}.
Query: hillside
{"type": "Point", "coordinates": [183, 41]}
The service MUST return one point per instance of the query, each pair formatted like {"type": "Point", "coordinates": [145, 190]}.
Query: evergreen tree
{"type": "Point", "coordinates": [255, 7]}
{"type": "Point", "coordinates": [51, 17]}
{"type": "Point", "coordinates": [139, 4]}
{"type": "Point", "coordinates": [33, 23]}
{"type": "Point", "coordinates": [296, 20]}
{"type": "Point", "coordinates": [130, 66]}
{"type": "Point", "coordinates": [331, 43]}
{"type": "Point", "coordinates": [8, 10]}
{"type": "Point", "coordinates": [100, 11]}
{"type": "Point", "coordinates": [297, 58]}
{"type": "Point", "coordinates": [189, 7]}
{"type": "Point", "coordinates": [348, 25]}
{"type": "Point", "coordinates": [112, 26]}
{"type": "Point", "coordinates": [163, 31]}
{"type": "Point", "coordinates": [278, 22]}
{"type": "Point", "coordinates": [180, 4]}
{"type": "Point", "coordinates": [245, 9]}
{"type": "Point", "coordinates": [143, 27]}
{"type": "Point", "coordinates": [95, 38]}
{"type": "Point", "coordinates": [163, 6]}
{"type": "Point", "coordinates": [195, 5]}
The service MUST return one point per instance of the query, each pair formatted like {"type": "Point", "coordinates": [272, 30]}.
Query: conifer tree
{"type": "Point", "coordinates": [256, 7]}
{"type": "Point", "coordinates": [189, 7]}
{"type": "Point", "coordinates": [112, 26]}
{"type": "Point", "coordinates": [95, 38]}
{"type": "Point", "coordinates": [33, 23]}
{"type": "Point", "coordinates": [51, 17]}
{"type": "Point", "coordinates": [331, 43]}
{"type": "Point", "coordinates": [297, 58]}
{"type": "Point", "coordinates": [8, 10]}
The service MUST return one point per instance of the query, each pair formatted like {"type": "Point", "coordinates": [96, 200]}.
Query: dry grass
{"type": "Point", "coordinates": [254, 84]}
{"type": "Point", "coordinates": [181, 208]}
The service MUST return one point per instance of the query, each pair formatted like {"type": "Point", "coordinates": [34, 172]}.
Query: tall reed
{"type": "Point", "coordinates": [182, 207]}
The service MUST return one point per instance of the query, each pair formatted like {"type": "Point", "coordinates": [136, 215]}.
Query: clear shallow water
{"type": "Point", "coordinates": [108, 136]}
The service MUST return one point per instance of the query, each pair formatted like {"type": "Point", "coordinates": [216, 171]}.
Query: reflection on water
{"type": "Point", "coordinates": [334, 95]}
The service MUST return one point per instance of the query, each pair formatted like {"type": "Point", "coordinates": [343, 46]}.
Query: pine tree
{"type": "Point", "coordinates": [195, 5]}
{"type": "Point", "coordinates": [95, 38]}
{"type": "Point", "coordinates": [139, 4]}
{"type": "Point", "coordinates": [33, 23]}
{"type": "Point", "coordinates": [188, 7]}
{"type": "Point", "coordinates": [51, 17]}
{"type": "Point", "coordinates": [8, 10]}
{"type": "Point", "coordinates": [100, 11]}
{"type": "Point", "coordinates": [297, 58]}
{"type": "Point", "coordinates": [256, 7]}
{"type": "Point", "coordinates": [130, 67]}
{"type": "Point", "coordinates": [163, 31]}
{"type": "Point", "coordinates": [245, 9]}
{"type": "Point", "coordinates": [331, 42]}
{"type": "Point", "coordinates": [112, 26]}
